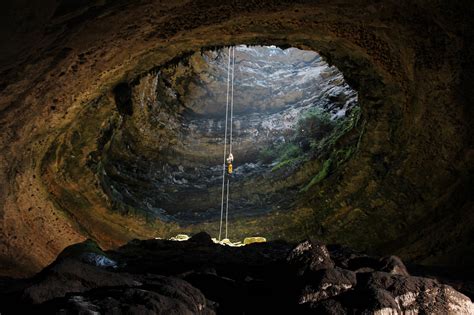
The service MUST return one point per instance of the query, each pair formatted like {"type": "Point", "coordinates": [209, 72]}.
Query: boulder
{"type": "Point", "coordinates": [202, 238]}
{"type": "Point", "coordinates": [73, 276]}
{"type": "Point", "coordinates": [393, 265]}
{"type": "Point", "coordinates": [418, 295]}
{"type": "Point", "coordinates": [309, 256]}
{"type": "Point", "coordinates": [88, 252]}
{"type": "Point", "coordinates": [160, 295]}
{"type": "Point", "coordinates": [167, 277]}
{"type": "Point", "coordinates": [326, 283]}
{"type": "Point", "coordinates": [371, 300]}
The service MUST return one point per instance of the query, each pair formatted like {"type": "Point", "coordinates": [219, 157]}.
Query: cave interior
{"type": "Point", "coordinates": [351, 128]}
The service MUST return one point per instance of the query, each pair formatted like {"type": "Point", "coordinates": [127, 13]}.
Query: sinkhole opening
{"type": "Point", "coordinates": [292, 114]}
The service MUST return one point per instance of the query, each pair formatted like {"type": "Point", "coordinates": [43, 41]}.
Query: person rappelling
{"type": "Point", "coordinates": [227, 166]}
{"type": "Point", "coordinates": [230, 159]}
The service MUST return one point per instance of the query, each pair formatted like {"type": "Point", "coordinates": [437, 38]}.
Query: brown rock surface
{"type": "Point", "coordinates": [406, 191]}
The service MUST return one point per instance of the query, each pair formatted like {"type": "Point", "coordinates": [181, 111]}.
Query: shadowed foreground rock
{"type": "Point", "coordinates": [200, 277]}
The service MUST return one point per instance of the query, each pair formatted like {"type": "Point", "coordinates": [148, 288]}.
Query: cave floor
{"type": "Point", "coordinates": [198, 276]}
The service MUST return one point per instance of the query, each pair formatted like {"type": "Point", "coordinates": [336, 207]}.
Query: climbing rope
{"type": "Point", "coordinates": [227, 159]}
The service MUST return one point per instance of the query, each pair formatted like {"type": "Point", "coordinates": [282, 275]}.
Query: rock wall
{"type": "Point", "coordinates": [407, 189]}
{"type": "Point", "coordinates": [165, 156]}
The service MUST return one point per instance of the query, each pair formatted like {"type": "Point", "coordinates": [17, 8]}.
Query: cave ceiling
{"type": "Point", "coordinates": [399, 179]}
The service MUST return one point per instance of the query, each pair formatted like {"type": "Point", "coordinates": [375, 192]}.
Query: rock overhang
{"type": "Point", "coordinates": [412, 149]}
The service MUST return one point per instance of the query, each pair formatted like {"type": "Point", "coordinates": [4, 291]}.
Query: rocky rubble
{"type": "Point", "coordinates": [198, 276]}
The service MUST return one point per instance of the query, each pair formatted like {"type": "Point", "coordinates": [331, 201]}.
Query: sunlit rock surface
{"type": "Point", "coordinates": [166, 158]}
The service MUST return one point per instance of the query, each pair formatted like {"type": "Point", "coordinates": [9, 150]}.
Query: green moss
{"type": "Point", "coordinates": [342, 127]}
{"type": "Point", "coordinates": [338, 146]}
{"type": "Point", "coordinates": [285, 154]}
{"type": "Point", "coordinates": [317, 135]}
{"type": "Point", "coordinates": [289, 151]}
{"type": "Point", "coordinates": [284, 163]}
{"type": "Point", "coordinates": [313, 126]}
{"type": "Point", "coordinates": [342, 155]}
{"type": "Point", "coordinates": [322, 174]}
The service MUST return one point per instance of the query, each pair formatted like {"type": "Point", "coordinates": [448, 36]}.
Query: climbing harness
{"type": "Point", "coordinates": [228, 159]}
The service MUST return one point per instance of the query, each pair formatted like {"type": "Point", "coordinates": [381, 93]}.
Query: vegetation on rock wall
{"type": "Point", "coordinates": [166, 156]}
